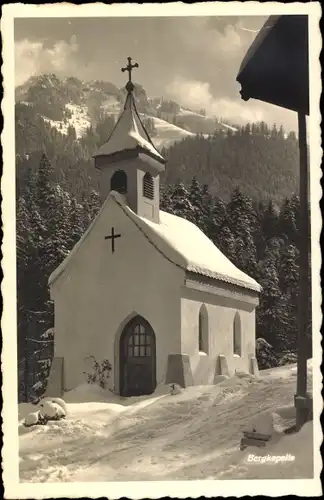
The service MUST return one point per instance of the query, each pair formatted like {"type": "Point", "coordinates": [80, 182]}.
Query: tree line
{"type": "Point", "coordinates": [262, 160]}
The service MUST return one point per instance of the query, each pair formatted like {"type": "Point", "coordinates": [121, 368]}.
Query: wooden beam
{"type": "Point", "coordinates": [304, 248]}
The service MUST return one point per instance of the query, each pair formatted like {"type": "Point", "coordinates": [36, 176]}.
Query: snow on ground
{"type": "Point", "coordinates": [188, 112]}
{"type": "Point", "coordinates": [285, 371]}
{"type": "Point", "coordinates": [111, 105]}
{"type": "Point", "coordinates": [167, 133]}
{"type": "Point", "coordinates": [79, 120]}
{"type": "Point", "coordinates": [233, 129]}
{"type": "Point", "coordinates": [192, 435]}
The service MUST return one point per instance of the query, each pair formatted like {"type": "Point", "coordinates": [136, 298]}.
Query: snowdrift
{"type": "Point", "coordinates": [191, 435]}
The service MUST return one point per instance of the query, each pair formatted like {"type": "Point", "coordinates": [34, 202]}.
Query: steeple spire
{"type": "Point", "coordinates": [129, 85]}
{"type": "Point", "coordinates": [129, 135]}
{"type": "Point", "coordinates": [129, 162]}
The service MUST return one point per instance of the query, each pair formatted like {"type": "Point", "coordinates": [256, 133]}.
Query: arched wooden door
{"type": "Point", "coordinates": [137, 358]}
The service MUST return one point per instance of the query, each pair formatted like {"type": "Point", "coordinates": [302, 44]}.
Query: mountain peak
{"type": "Point", "coordinates": [69, 100]}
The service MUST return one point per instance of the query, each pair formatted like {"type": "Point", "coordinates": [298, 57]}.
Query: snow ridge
{"type": "Point", "coordinates": [78, 119]}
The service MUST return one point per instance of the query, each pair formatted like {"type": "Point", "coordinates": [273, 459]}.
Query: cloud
{"type": "Point", "coordinates": [193, 60]}
{"type": "Point", "coordinates": [197, 95]}
{"type": "Point", "coordinates": [236, 111]}
{"type": "Point", "coordinates": [230, 41]}
{"type": "Point", "coordinates": [209, 39]}
{"type": "Point", "coordinates": [193, 94]}
{"type": "Point", "coordinates": [36, 57]}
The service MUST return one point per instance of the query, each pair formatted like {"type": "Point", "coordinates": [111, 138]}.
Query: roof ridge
{"type": "Point", "coordinates": [204, 271]}
{"type": "Point", "coordinates": [180, 259]}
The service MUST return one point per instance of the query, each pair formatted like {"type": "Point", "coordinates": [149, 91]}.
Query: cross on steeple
{"type": "Point", "coordinates": [129, 68]}
{"type": "Point", "coordinates": [112, 237]}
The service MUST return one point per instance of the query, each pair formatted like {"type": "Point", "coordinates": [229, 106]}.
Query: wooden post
{"type": "Point", "coordinates": [26, 366]}
{"type": "Point", "coordinates": [302, 401]}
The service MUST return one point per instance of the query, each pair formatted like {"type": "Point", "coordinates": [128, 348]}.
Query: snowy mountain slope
{"type": "Point", "coordinates": [78, 119]}
{"type": "Point", "coordinates": [70, 102]}
{"type": "Point", "coordinates": [111, 105]}
{"type": "Point", "coordinates": [187, 112]}
{"type": "Point", "coordinates": [167, 133]}
{"type": "Point", "coordinates": [194, 435]}
{"type": "Point", "coordinates": [199, 123]}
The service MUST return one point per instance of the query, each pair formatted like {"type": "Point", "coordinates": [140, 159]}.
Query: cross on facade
{"type": "Point", "coordinates": [112, 237]}
{"type": "Point", "coordinates": [129, 68]}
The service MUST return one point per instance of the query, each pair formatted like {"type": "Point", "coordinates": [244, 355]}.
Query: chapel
{"type": "Point", "coordinates": [144, 289]}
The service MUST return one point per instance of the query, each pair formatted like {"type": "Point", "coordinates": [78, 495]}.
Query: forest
{"type": "Point", "coordinates": [240, 210]}
{"type": "Point", "coordinates": [257, 158]}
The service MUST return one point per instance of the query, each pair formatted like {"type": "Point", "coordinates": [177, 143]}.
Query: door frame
{"type": "Point", "coordinates": [123, 358]}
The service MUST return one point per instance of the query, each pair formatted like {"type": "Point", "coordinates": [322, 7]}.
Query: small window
{"type": "Point", "coordinates": [148, 186]}
{"type": "Point", "coordinates": [200, 333]}
{"type": "Point", "coordinates": [119, 182]}
{"type": "Point", "coordinates": [139, 342]}
{"type": "Point", "coordinates": [203, 330]}
{"type": "Point", "coordinates": [237, 335]}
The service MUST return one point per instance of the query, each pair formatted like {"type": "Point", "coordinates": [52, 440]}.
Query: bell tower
{"type": "Point", "coordinates": [129, 162]}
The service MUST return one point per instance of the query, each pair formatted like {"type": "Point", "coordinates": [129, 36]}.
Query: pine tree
{"type": "Point", "coordinates": [242, 223]}
{"type": "Point", "coordinates": [104, 129]}
{"type": "Point", "coordinates": [272, 314]}
{"type": "Point", "coordinates": [270, 221]}
{"type": "Point", "coordinates": [30, 297]}
{"type": "Point", "coordinates": [287, 220]}
{"type": "Point", "coordinates": [289, 270]}
{"type": "Point", "coordinates": [55, 237]}
{"type": "Point", "coordinates": [265, 354]}
{"type": "Point", "coordinates": [43, 183]}
{"type": "Point", "coordinates": [218, 214]}
{"type": "Point", "coordinates": [195, 193]}
{"type": "Point", "coordinates": [289, 285]}
{"type": "Point", "coordinates": [227, 244]}
{"type": "Point", "coordinates": [281, 133]}
{"type": "Point", "coordinates": [43, 362]}
{"type": "Point", "coordinates": [274, 131]}
{"type": "Point", "coordinates": [76, 222]}
{"type": "Point", "coordinates": [180, 204]}
{"type": "Point", "coordinates": [195, 197]}
{"type": "Point", "coordinates": [165, 197]}
{"type": "Point", "coordinates": [213, 212]}
{"type": "Point", "coordinates": [23, 261]}
{"type": "Point", "coordinates": [93, 204]}
{"type": "Point", "coordinates": [292, 136]}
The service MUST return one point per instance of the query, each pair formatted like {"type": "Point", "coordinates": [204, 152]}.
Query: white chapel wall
{"type": "Point", "coordinates": [100, 289]}
{"type": "Point", "coordinates": [221, 313]}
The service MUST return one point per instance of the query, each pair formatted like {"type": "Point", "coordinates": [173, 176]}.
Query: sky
{"type": "Point", "coordinates": [193, 60]}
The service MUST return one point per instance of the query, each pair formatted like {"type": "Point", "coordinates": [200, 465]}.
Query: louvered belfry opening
{"type": "Point", "coordinates": [148, 186]}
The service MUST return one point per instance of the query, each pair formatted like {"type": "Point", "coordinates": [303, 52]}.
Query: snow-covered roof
{"type": "Point", "coordinates": [181, 242]}
{"type": "Point", "coordinates": [129, 134]}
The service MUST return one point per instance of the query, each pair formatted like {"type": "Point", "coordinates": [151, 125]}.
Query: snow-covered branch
{"type": "Point", "coordinates": [41, 341]}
